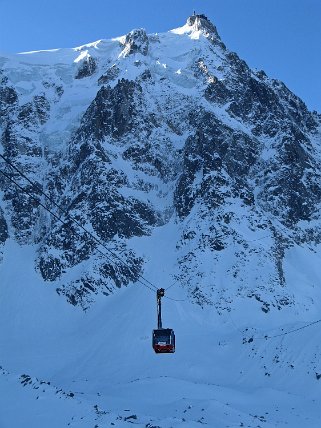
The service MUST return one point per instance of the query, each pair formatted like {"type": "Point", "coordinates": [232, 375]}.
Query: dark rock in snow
{"type": "Point", "coordinates": [112, 113]}
{"type": "Point", "coordinates": [201, 22]}
{"type": "Point", "coordinates": [111, 74]}
{"type": "Point", "coordinates": [136, 42]}
{"type": "Point", "coordinates": [4, 235]}
{"type": "Point", "coordinates": [87, 68]}
{"type": "Point", "coordinates": [8, 96]}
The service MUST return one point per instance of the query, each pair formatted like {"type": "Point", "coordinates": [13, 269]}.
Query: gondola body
{"type": "Point", "coordinates": [164, 341]}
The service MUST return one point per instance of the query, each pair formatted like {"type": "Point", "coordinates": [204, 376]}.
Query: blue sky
{"type": "Point", "coordinates": [282, 37]}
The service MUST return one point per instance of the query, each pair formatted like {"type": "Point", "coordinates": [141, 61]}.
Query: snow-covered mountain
{"type": "Point", "coordinates": [191, 171]}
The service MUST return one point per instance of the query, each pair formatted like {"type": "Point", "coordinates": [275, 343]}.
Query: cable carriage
{"type": "Point", "coordinates": [163, 338]}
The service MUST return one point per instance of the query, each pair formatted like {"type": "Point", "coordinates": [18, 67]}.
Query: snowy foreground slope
{"type": "Point", "coordinates": [199, 174]}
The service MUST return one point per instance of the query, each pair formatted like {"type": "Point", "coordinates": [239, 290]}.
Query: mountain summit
{"type": "Point", "coordinates": [202, 23]}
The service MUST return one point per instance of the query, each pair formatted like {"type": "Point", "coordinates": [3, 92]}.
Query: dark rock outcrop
{"type": "Point", "coordinates": [136, 42]}
{"type": "Point", "coordinates": [87, 68]}
{"type": "Point", "coordinates": [111, 74]}
{"type": "Point", "coordinates": [4, 234]}
{"type": "Point", "coordinates": [112, 113]}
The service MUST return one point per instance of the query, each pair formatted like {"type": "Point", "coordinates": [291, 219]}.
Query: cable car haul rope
{"type": "Point", "coordinates": [266, 337]}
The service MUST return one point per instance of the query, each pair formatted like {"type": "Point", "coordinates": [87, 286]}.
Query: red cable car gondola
{"type": "Point", "coordinates": [163, 338]}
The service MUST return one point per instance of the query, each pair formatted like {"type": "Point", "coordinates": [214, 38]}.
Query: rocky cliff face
{"type": "Point", "coordinates": [130, 134]}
